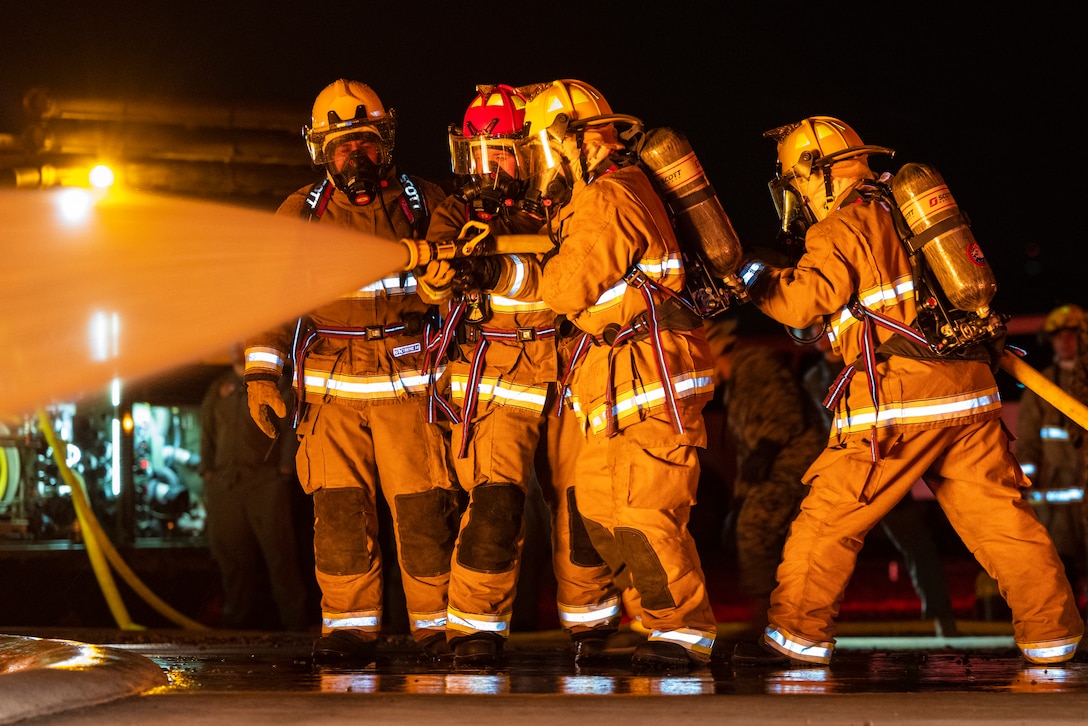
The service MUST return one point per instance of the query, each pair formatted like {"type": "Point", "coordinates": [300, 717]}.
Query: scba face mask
{"type": "Point", "coordinates": [358, 164]}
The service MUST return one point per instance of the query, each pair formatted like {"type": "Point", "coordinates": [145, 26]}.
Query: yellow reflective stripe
{"type": "Point", "coordinates": [698, 641]}
{"type": "Point", "coordinates": [500, 304]}
{"type": "Point", "coordinates": [875, 298]}
{"type": "Point", "coordinates": [807, 651]}
{"type": "Point", "coordinates": [360, 387]}
{"type": "Point", "coordinates": [501, 392]}
{"type": "Point", "coordinates": [925, 411]}
{"type": "Point", "coordinates": [631, 402]}
{"type": "Point", "coordinates": [477, 623]}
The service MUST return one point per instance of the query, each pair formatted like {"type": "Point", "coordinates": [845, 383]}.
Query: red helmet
{"type": "Point", "coordinates": [496, 111]}
{"type": "Point", "coordinates": [485, 148]}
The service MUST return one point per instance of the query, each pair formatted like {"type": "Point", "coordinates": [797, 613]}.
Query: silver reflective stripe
{"type": "Point", "coordinates": [1053, 433]}
{"type": "Point", "coordinates": [432, 624]}
{"type": "Point", "coordinates": [811, 653]}
{"type": "Point", "coordinates": [371, 621]}
{"type": "Point", "coordinates": [264, 356]}
{"type": "Point", "coordinates": [1057, 654]}
{"type": "Point", "coordinates": [480, 625]}
{"type": "Point", "coordinates": [589, 614]}
{"type": "Point", "coordinates": [691, 639]}
{"type": "Point", "coordinates": [907, 414]}
{"type": "Point", "coordinates": [1072, 494]}
{"type": "Point", "coordinates": [519, 274]}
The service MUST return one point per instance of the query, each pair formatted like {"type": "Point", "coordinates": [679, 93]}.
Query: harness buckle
{"type": "Point", "coordinates": [375, 332]}
{"type": "Point", "coordinates": [526, 335]}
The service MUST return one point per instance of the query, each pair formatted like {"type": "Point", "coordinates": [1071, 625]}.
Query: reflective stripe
{"type": "Point", "coordinates": [1049, 654]}
{"type": "Point", "coordinates": [360, 621]}
{"type": "Point", "coordinates": [886, 295]}
{"type": "Point", "coordinates": [506, 305]}
{"type": "Point", "coordinates": [519, 273]}
{"type": "Point", "coordinates": [632, 403]}
{"type": "Point", "coordinates": [477, 623]}
{"type": "Point", "coordinates": [260, 358]}
{"type": "Point", "coordinates": [1053, 433]}
{"type": "Point", "coordinates": [698, 641]}
{"type": "Point", "coordinates": [501, 392]}
{"type": "Point", "coordinates": [917, 412]}
{"type": "Point", "coordinates": [386, 286]}
{"type": "Point", "coordinates": [420, 622]}
{"type": "Point", "coordinates": [814, 653]}
{"type": "Point", "coordinates": [597, 614]}
{"type": "Point", "coordinates": [1059, 496]}
{"type": "Point", "coordinates": [321, 383]}
{"type": "Point", "coordinates": [657, 270]}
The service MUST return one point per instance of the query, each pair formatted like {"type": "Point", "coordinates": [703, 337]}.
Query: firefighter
{"type": "Point", "coordinates": [643, 373]}
{"type": "Point", "coordinates": [504, 379]}
{"type": "Point", "coordinates": [1048, 446]}
{"type": "Point", "coordinates": [362, 373]}
{"type": "Point", "coordinates": [903, 414]}
{"type": "Point", "coordinates": [247, 493]}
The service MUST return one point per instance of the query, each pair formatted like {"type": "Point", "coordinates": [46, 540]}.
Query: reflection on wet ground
{"type": "Point", "coordinates": [959, 667]}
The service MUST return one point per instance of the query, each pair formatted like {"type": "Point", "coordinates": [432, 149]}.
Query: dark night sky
{"type": "Point", "coordinates": [984, 96]}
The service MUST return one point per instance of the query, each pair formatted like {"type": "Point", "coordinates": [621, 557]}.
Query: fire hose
{"type": "Point", "coordinates": [1049, 391]}
{"type": "Point", "coordinates": [101, 551]}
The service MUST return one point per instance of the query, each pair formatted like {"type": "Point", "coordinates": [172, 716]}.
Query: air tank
{"type": "Point", "coordinates": [944, 236]}
{"type": "Point", "coordinates": [699, 217]}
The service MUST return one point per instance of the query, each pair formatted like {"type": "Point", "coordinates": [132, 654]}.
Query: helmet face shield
{"type": "Point", "coordinates": [791, 206]}
{"type": "Point", "coordinates": [548, 173]}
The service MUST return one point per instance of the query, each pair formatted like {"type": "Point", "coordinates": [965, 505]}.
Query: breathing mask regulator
{"type": "Point", "coordinates": [359, 166]}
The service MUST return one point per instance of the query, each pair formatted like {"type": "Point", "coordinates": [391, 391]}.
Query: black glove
{"type": "Point", "coordinates": [476, 273]}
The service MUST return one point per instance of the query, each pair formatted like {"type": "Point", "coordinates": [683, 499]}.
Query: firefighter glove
{"type": "Point", "coordinates": [476, 273]}
{"type": "Point", "coordinates": [265, 399]}
{"type": "Point", "coordinates": [437, 274]}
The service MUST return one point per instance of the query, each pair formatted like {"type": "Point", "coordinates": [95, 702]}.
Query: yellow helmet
{"type": "Point", "coordinates": [580, 102]}
{"type": "Point", "coordinates": [815, 143]}
{"type": "Point", "coordinates": [346, 108]}
{"type": "Point", "coordinates": [1066, 317]}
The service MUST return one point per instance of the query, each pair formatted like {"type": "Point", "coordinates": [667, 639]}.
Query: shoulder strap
{"type": "Point", "coordinates": [317, 199]}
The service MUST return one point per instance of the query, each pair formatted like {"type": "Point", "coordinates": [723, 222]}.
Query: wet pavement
{"type": "Point", "coordinates": [881, 673]}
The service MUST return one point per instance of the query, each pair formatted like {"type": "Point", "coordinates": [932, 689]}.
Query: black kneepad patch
{"type": "Point", "coordinates": [582, 551]}
{"type": "Point", "coordinates": [340, 546]}
{"type": "Point", "coordinates": [427, 524]}
{"type": "Point", "coordinates": [647, 570]}
{"type": "Point", "coordinates": [489, 542]}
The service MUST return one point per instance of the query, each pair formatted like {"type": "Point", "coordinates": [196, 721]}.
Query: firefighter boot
{"type": "Point", "coordinates": [435, 647]}
{"type": "Point", "coordinates": [480, 651]}
{"type": "Point", "coordinates": [344, 648]}
{"type": "Point", "coordinates": [660, 655]}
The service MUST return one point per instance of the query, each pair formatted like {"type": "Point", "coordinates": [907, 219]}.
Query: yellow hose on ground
{"type": "Point", "coordinates": [1049, 391]}
{"type": "Point", "coordinates": [98, 542]}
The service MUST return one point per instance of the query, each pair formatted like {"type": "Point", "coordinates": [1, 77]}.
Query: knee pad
{"type": "Point", "coordinates": [648, 572]}
{"type": "Point", "coordinates": [582, 551]}
{"type": "Point", "coordinates": [340, 546]}
{"type": "Point", "coordinates": [427, 524]}
{"type": "Point", "coordinates": [489, 542]}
